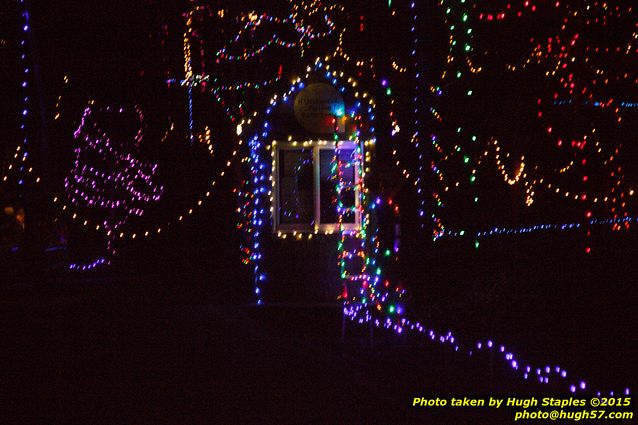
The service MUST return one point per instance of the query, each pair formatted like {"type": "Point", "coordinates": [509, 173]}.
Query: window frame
{"type": "Point", "coordinates": [318, 227]}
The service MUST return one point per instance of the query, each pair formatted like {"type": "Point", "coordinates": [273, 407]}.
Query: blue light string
{"type": "Point", "coordinates": [416, 111]}
{"type": "Point", "coordinates": [535, 228]}
{"type": "Point", "coordinates": [622, 104]}
{"type": "Point", "coordinates": [24, 115]}
{"type": "Point", "coordinates": [258, 179]}
{"type": "Point", "coordinates": [191, 120]}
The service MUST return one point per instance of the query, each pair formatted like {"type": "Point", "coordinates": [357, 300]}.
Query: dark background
{"type": "Point", "coordinates": [539, 292]}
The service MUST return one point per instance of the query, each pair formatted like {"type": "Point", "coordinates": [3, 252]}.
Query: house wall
{"type": "Point", "coordinates": [303, 270]}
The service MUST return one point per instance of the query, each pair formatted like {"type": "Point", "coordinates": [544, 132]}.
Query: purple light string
{"type": "Point", "coordinates": [114, 192]}
{"type": "Point", "coordinates": [544, 375]}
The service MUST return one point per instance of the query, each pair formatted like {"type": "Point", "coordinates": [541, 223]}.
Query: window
{"type": "Point", "coordinates": [305, 189]}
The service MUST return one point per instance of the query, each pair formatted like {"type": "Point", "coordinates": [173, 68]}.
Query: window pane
{"type": "Point", "coordinates": [296, 205]}
{"type": "Point", "coordinates": [328, 185]}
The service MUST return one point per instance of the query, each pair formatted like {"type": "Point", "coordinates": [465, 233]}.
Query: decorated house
{"type": "Point", "coordinates": [316, 224]}
{"type": "Point", "coordinates": [307, 152]}
{"type": "Point", "coordinates": [307, 206]}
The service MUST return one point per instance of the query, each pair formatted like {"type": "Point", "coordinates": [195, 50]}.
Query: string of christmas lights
{"type": "Point", "coordinates": [20, 163]}
{"type": "Point", "coordinates": [537, 228]}
{"type": "Point", "coordinates": [543, 375]}
{"type": "Point", "coordinates": [116, 193]}
{"type": "Point", "coordinates": [564, 68]}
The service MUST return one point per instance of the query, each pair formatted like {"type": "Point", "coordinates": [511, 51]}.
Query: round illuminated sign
{"type": "Point", "coordinates": [317, 105]}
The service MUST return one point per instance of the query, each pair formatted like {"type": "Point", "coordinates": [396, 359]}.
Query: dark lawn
{"type": "Point", "coordinates": [104, 355]}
